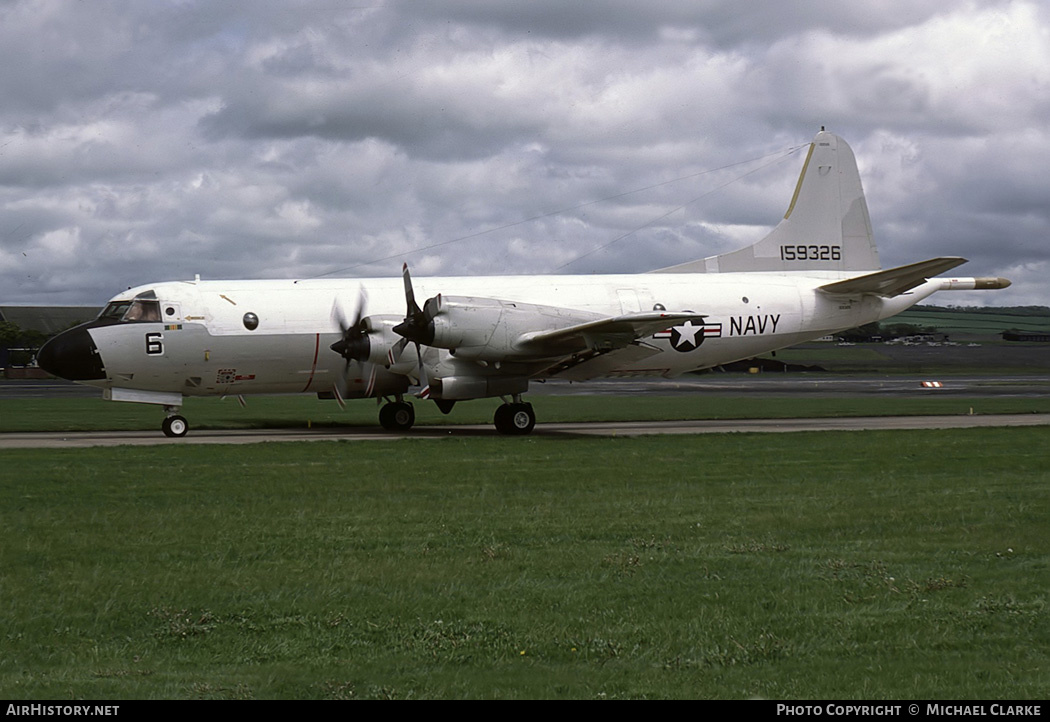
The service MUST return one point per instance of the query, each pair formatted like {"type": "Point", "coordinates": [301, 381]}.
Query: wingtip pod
{"type": "Point", "coordinates": [992, 283]}
{"type": "Point", "coordinates": [986, 283]}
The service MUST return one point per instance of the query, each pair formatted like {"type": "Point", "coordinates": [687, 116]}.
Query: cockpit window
{"type": "Point", "coordinates": [128, 311]}
{"type": "Point", "coordinates": [115, 311]}
{"type": "Point", "coordinates": [143, 311]}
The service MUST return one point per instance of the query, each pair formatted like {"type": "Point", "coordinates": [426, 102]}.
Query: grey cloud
{"type": "Point", "coordinates": [721, 23]}
{"type": "Point", "coordinates": [142, 142]}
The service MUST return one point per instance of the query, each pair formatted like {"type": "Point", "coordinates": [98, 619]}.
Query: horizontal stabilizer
{"type": "Point", "coordinates": [893, 281]}
{"type": "Point", "coordinates": [609, 333]}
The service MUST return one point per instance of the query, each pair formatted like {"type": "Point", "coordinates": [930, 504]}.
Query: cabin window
{"type": "Point", "coordinates": [251, 321]}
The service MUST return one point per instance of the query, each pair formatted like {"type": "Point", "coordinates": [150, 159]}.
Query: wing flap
{"type": "Point", "coordinates": [592, 364]}
{"type": "Point", "coordinates": [893, 281]}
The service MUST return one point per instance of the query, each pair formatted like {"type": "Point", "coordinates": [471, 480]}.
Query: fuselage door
{"type": "Point", "coordinates": [628, 300]}
{"type": "Point", "coordinates": [633, 300]}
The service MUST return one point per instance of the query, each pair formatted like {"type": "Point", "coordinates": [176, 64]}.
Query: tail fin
{"type": "Point", "coordinates": [826, 227]}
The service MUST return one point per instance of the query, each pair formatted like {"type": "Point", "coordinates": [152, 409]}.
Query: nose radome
{"type": "Point", "coordinates": [72, 355]}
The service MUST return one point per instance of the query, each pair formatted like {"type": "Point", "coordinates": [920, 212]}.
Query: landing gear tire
{"type": "Point", "coordinates": [397, 416]}
{"type": "Point", "coordinates": [515, 419]}
{"type": "Point", "coordinates": [175, 426]}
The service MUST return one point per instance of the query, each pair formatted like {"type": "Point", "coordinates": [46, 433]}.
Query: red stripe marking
{"type": "Point", "coordinates": [313, 368]}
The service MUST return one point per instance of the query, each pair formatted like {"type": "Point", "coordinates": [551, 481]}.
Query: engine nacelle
{"type": "Point", "coordinates": [383, 342]}
{"type": "Point", "coordinates": [489, 328]}
{"type": "Point", "coordinates": [458, 388]}
{"type": "Point", "coordinates": [463, 322]}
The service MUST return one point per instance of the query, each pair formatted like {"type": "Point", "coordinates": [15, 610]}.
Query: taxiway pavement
{"type": "Point", "coordinates": [71, 440]}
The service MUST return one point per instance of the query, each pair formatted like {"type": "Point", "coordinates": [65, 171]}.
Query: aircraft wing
{"type": "Point", "coordinates": [595, 348]}
{"type": "Point", "coordinates": [604, 334]}
{"type": "Point", "coordinates": [893, 281]}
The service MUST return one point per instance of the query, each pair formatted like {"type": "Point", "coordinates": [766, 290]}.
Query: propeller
{"type": "Point", "coordinates": [353, 344]}
{"type": "Point", "coordinates": [418, 327]}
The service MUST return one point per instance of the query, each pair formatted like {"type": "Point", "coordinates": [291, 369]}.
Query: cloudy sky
{"type": "Point", "coordinates": [149, 141]}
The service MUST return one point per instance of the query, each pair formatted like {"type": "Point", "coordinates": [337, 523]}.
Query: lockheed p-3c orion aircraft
{"type": "Point", "coordinates": [816, 273]}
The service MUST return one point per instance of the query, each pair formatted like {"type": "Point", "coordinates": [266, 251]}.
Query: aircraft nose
{"type": "Point", "coordinates": [71, 355]}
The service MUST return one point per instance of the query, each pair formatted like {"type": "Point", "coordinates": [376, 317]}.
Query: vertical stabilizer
{"type": "Point", "coordinates": [826, 226]}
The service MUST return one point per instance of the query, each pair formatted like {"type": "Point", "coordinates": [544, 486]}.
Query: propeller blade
{"type": "Point", "coordinates": [338, 317]}
{"type": "Point", "coordinates": [410, 295]}
{"type": "Point", "coordinates": [418, 325]}
{"type": "Point", "coordinates": [424, 382]}
{"type": "Point", "coordinates": [394, 354]}
{"type": "Point", "coordinates": [362, 302]}
{"type": "Point", "coordinates": [338, 396]}
{"type": "Point", "coordinates": [353, 344]}
{"type": "Point", "coordinates": [370, 389]}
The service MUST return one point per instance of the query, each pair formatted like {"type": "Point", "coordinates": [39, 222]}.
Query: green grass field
{"type": "Point", "coordinates": [833, 565]}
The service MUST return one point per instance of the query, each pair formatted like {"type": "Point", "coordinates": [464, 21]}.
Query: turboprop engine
{"type": "Point", "coordinates": [372, 340]}
{"type": "Point", "coordinates": [486, 329]}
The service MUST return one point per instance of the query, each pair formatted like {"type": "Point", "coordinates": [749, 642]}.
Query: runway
{"type": "Point", "coordinates": [773, 385]}
{"type": "Point", "coordinates": [74, 440]}
{"type": "Point", "coordinates": [766, 385]}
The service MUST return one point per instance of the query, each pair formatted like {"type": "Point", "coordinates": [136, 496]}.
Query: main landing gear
{"type": "Point", "coordinates": [512, 418]}
{"type": "Point", "coordinates": [397, 416]}
{"type": "Point", "coordinates": [515, 419]}
{"type": "Point", "coordinates": [174, 426]}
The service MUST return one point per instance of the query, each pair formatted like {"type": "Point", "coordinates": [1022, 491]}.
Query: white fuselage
{"type": "Point", "coordinates": [202, 346]}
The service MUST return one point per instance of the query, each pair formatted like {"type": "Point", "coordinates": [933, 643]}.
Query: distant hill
{"type": "Point", "coordinates": [978, 321]}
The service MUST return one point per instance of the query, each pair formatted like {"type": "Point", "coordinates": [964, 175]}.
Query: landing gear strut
{"type": "Point", "coordinates": [397, 416]}
{"type": "Point", "coordinates": [515, 419]}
